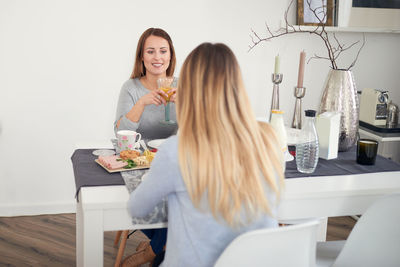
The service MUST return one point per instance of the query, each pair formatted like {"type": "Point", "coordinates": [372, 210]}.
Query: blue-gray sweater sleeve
{"type": "Point", "coordinates": [157, 184]}
{"type": "Point", "coordinates": [127, 99]}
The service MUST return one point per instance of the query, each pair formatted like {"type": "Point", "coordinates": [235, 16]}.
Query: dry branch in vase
{"type": "Point", "coordinates": [334, 46]}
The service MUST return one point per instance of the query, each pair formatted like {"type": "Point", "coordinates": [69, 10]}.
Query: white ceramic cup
{"type": "Point", "coordinates": [128, 140]}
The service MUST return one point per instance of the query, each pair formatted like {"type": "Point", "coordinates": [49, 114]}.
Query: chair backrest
{"type": "Point", "coordinates": [375, 239]}
{"type": "Point", "coordinates": [290, 246]}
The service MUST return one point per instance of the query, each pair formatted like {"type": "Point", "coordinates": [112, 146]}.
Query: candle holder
{"type": "Point", "coordinates": [299, 93]}
{"type": "Point", "coordinates": [276, 80]}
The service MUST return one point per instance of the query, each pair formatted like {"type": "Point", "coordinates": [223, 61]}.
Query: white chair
{"type": "Point", "coordinates": [374, 240]}
{"type": "Point", "coordinates": [322, 225]}
{"type": "Point", "coordinates": [289, 246]}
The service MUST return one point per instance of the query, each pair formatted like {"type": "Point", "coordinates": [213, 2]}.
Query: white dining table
{"type": "Point", "coordinates": [104, 208]}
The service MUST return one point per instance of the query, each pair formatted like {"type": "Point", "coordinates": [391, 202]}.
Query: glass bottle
{"type": "Point", "coordinates": [307, 150]}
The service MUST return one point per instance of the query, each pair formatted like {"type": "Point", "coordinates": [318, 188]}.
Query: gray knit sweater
{"type": "Point", "coordinates": [149, 125]}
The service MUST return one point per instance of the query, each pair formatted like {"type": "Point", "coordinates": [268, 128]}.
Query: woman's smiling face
{"type": "Point", "coordinates": [156, 55]}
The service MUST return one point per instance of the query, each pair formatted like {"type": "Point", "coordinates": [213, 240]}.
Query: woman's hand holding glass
{"type": "Point", "coordinates": [173, 95]}
{"type": "Point", "coordinates": [168, 94]}
{"type": "Point", "coordinates": [153, 98]}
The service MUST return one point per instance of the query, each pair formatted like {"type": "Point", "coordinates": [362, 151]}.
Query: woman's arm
{"type": "Point", "coordinates": [127, 99]}
{"type": "Point", "coordinates": [156, 185]}
{"type": "Point", "coordinates": [134, 114]}
{"type": "Point", "coordinates": [131, 106]}
{"type": "Point", "coordinates": [152, 98]}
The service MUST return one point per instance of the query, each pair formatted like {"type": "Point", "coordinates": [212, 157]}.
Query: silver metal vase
{"type": "Point", "coordinates": [340, 94]}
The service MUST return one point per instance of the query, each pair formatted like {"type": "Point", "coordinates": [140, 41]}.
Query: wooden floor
{"type": "Point", "coordinates": [49, 240]}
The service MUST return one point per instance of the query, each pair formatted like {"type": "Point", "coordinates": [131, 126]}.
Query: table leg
{"type": "Point", "coordinates": [79, 235]}
{"type": "Point", "coordinates": [322, 229]}
{"type": "Point", "coordinates": [89, 237]}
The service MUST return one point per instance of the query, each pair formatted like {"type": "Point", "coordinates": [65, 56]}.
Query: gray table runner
{"type": "Point", "coordinates": [345, 164]}
{"type": "Point", "coordinates": [89, 173]}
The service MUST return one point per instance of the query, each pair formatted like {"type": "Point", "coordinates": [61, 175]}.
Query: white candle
{"type": "Point", "coordinates": [277, 64]}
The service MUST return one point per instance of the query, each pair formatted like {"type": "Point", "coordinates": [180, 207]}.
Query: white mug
{"type": "Point", "coordinates": [127, 139]}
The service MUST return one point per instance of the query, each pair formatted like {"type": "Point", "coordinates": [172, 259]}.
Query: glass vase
{"type": "Point", "coordinates": [340, 94]}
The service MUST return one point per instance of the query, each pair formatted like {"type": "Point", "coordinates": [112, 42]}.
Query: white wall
{"type": "Point", "coordinates": [62, 64]}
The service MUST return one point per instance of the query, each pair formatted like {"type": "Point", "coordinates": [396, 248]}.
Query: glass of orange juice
{"type": "Point", "coordinates": [166, 84]}
{"type": "Point", "coordinates": [166, 90]}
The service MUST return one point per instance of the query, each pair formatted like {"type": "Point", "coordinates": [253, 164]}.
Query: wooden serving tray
{"type": "Point", "coordinates": [122, 169]}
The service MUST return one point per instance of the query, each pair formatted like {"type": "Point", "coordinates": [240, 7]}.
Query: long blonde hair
{"type": "Point", "coordinates": [139, 69]}
{"type": "Point", "coordinates": [224, 153]}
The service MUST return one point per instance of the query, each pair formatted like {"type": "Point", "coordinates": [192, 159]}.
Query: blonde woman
{"type": "Point", "coordinates": [222, 173]}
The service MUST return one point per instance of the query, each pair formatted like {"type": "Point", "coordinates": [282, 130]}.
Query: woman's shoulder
{"type": "Point", "coordinates": [167, 154]}
{"type": "Point", "coordinates": [170, 144]}
{"type": "Point", "coordinates": [169, 148]}
{"type": "Point", "coordinates": [132, 85]}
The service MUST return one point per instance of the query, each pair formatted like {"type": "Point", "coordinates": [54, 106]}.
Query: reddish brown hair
{"type": "Point", "coordinates": [139, 70]}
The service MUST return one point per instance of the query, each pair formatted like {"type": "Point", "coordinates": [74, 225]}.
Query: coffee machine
{"type": "Point", "coordinates": [373, 106]}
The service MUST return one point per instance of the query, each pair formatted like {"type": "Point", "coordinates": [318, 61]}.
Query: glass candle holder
{"type": "Point", "coordinates": [366, 151]}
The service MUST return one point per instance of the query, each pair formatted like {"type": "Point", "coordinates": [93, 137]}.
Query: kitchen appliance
{"type": "Point", "coordinates": [373, 106]}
